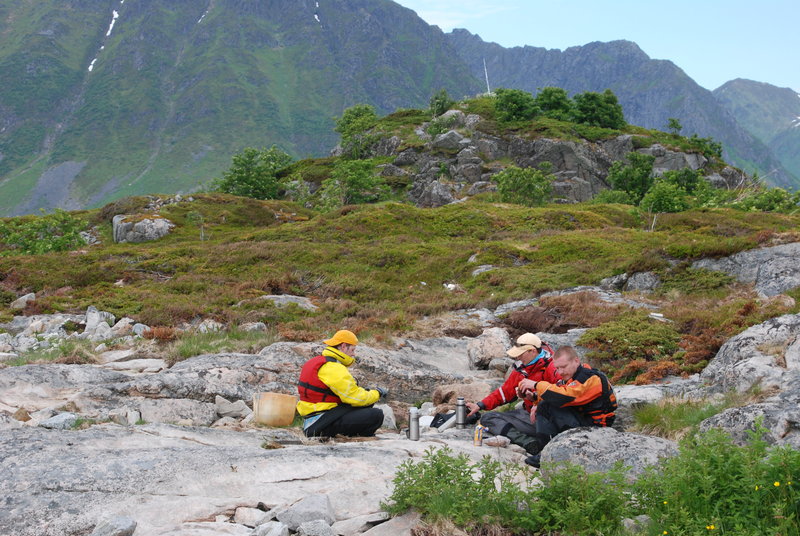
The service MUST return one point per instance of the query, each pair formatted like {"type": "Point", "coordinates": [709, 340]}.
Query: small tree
{"type": "Point", "coordinates": [635, 178]}
{"type": "Point", "coordinates": [554, 102]}
{"type": "Point", "coordinates": [685, 178]}
{"type": "Point", "coordinates": [525, 186]}
{"type": "Point", "coordinates": [665, 196]}
{"type": "Point", "coordinates": [674, 126]}
{"type": "Point", "coordinates": [599, 110]}
{"type": "Point", "coordinates": [351, 182]}
{"type": "Point", "coordinates": [353, 126]}
{"type": "Point", "coordinates": [515, 105]}
{"type": "Point", "coordinates": [440, 102]}
{"type": "Point", "coordinates": [254, 173]}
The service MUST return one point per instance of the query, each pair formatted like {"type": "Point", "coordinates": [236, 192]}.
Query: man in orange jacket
{"type": "Point", "coordinates": [583, 397]}
{"type": "Point", "coordinates": [516, 426]}
{"type": "Point", "coordinates": [331, 401]}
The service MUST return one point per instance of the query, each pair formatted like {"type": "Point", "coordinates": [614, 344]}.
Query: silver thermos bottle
{"type": "Point", "coordinates": [413, 424]}
{"type": "Point", "coordinates": [461, 413]}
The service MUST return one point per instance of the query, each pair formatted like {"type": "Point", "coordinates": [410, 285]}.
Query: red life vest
{"type": "Point", "coordinates": [310, 387]}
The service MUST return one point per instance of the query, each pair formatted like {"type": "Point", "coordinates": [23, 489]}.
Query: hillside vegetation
{"type": "Point", "coordinates": [381, 269]}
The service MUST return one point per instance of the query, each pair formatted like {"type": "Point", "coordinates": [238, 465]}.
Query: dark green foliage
{"type": "Point", "coordinates": [686, 179]}
{"type": "Point", "coordinates": [352, 181]}
{"type": "Point", "coordinates": [353, 126]}
{"type": "Point", "coordinates": [635, 178]}
{"type": "Point", "coordinates": [613, 196]}
{"type": "Point", "coordinates": [59, 231]}
{"type": "Point", "coordinates": [707, 146]}
{"type": "Point", "coordinates": [599, 109]}
{"type": "Point", "coordinates": [515, 105]}
{"type": "Point", "coordinates": [554, 102]}
{"type": "Point", "coordinates": [440, 102]}
{"type": "Point", "coordinates": [525, 186]}
{"type": "Point", "coordinates": [254, 173]}
{"type": "Point", "coordinates": [694, 280]}
{"type": "Point", "coordinates": [665, 196]}
{"type": "Point", "coordinates": [674, 126]}
{"type": "Point", "coordinates": [714, 486]}
{"type": "Point", "coordinates": [632, 336]}
{"type": "Point", "coordinates": [770, 200]}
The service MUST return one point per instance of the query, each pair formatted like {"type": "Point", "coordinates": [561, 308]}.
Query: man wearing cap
{"type": "Point", "coordinates": [582, 397]}
{"type": "Point", "coordinates": [331, 402]}
{"type": "Point", "coordinates": [535, 363]}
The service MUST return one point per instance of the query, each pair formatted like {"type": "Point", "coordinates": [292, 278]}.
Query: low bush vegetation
{"type": "Point", "coordinates": [712, 486]}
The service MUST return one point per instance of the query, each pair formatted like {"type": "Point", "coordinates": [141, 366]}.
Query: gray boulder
{"type": "Point", "coordinates": [449, 141]}
{"type": "Point", "coordinates": [22, 301]}
{"type": "Point", "coordinates": [132, 229]}
{"type": "Point", "coordinates": [643, 282]}
{"type": "Point", "coordinates": [62, 421]}
{"type": "Point", "coordinates": [317, 527]}
{"type": "Point", "coordinates": [226, 408]}
{"type": "Point", "coordinates": [313, 507]}
{"type": "Point", "coordinates": [598, 449]}
{"type": "Point", "coordinates": [434, 194]}
{"type": "Point", "coordinates": [773, 270]}
{"type": "Point", "coordinates": [767, 355]}
{"type": "Point", "coordinates": [271, 528]}
{"type": "Point", "coordinates": [116, 526]}
{"type": "Point", "coordinates": [178, 411]}
{"type": "Point", "coordinates": [489, 345]}
{"type": "Point", "coordinates": [781, 420]}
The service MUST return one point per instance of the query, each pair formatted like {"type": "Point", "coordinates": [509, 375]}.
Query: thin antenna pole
{"type": "Point", "coordinates": [486, 73]}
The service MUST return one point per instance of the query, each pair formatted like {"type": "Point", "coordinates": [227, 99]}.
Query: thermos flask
{"type": "Point", "coordinates": [461, 413]}
{"type": "Point", "coordinates": [413, 424]}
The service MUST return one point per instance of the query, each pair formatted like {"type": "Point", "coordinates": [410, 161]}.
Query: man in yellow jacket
{"type": "Point", "coordinates": [331, 402]}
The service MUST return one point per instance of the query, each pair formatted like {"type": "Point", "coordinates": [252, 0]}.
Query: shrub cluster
{"type": "Point", "coordinates": [59, 231]}
{"type": "Point", "coordinates": [712, 486]}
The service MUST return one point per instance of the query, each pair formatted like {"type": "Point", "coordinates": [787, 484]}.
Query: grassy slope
{"type": "Point", "coordinates": [365, 265]}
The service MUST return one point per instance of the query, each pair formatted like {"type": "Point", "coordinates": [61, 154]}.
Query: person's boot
{"type": "Point", "coordinates": [534, 460]}
{"type": "Point", "coordinates": [531, 444]}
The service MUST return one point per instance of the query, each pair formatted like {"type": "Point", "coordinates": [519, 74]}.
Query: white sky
{"type": "Point", "coordinates": [713, 41]}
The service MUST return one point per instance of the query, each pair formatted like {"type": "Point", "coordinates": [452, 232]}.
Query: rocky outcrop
{"type": "Point", "coordinates": [140, 229]}
{"type": "Point", "coordinates": [773, 270]}
{"type": "Point", "coordinates": [599, 449]}
{"type": "Point", "coordinates": [460, 162]}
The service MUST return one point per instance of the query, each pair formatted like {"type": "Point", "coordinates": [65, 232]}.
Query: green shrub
{"type": "Point", "coordinates": [694, 280]}
{"type": "Point", "coordinates": [631, 337]}
{"type": "Point", "coordinates": [714, 486]}
{"type": "Point", "coordinates": [554, 102]}
{"type": "Point", "coordinates": [59, 231]}
{"type": "Point", "coordinates": [664, 197]}
{"type": "Point", "coordinates": [440, 102]}
{"type": "Point", "coordinates": [634, 178]}
{"type": "Point", "coordinates": [254, 173]}
{"type": "Point", "coordinates": [440, 126]}
{"type": "Point", "coordinates": [525, 186]}
{"type": "Point", "coordinates": [352, 182]}
{"type": "Point", "coordinates": [613, 196]}
{"type": "Point", "coordinates": [515, 105]}
{"type": "Point", "coordinates": [770, 200]}
{"type": "Point", "coordinates": [707, 146]}
{"type": "Point", "coordinates": [598, 109]}
{"type": "Point", "coordinates": [354, 127]}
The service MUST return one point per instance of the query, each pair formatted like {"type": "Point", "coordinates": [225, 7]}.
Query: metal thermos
{"type": "Point", "coordinates": [461, 413]}
{"type": "Point", "coordinates": [413, 424]}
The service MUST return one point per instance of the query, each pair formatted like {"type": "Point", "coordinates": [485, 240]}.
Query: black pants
{"type": "Point", "coordinates": [551, 421]}
{"type": "Point", "coordinates": [347, 421]}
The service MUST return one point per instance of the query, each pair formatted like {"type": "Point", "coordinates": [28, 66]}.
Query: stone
{"type": "Point", "coordinates": [615, 282]}
{"type": "Point", "coordinates": [482, 269]}
{"type": "Point", "coordinates": [767, 355]}
{"type": "Point", "coordinates": [237, 410]}
{"type": "Point", "coordinates": [316, 527]}
{"type": "Point", "coordinates": [397, 526]}
{"type": "Point", "coordinates": [252, 327]}
{"type": "Point", "coordinates": [224, 421]}
{"type": "Point", "coordinates": [7, 356]}
{"type": "Point", "coordinates": [124, 326]}
{"type": "Point", "coordinates": [598, 449]}
{"type": "Point", "coordinates": [62, 421]}
{"type": "Point", "coordinates": [435, 194]}
{"type": "Point", "coordinates": [406, 158]}
{"type": "Point", "coordinates": [636, 525]}
{"type": "Point", "coordinates": [100, 348]}
{"type": "Point", "coordinates": [357, 525]}
{"type": "Point", "coordinates": [447, 394]}
{"type": "Point", "coordinates": [389, 420]}
{"type": "Point", "coordinates": [309, 508]}
{"type": "Point", "coordinates": [208, 529]}
{"type": "Point", "coordinates": [491, 344]}
{"type": "Point", "coordinates": [501, 364]}
{"type": "Point", "coordinates": [116, 526]}
{"type": "Point", "coordinates": [101, 333]}
{"type": "Point", "coordinates": [282, 300]}
{"type": "Point", "coordinates": [140, 329]}
{"type": "Point", "coordinates": [112, 356]}
{"type": "Point", "coordinates": [22, 415]}
{"type": "Point", "coordinates": [643, 282]}
{"type": "Point", "coordinates": [170, 410]}
{"type": "Point", "coordinates": [781, 418]}
{"type": "Point", "coordinates": [94, 318]}
{"type": "Point", "coordinates": [146, 229]}
{"type": "Point", "coordinates": [138, 365]}
{"type": "Point", "coordinates": [773, 270]}
{"type": "Point", "coordinates": [271, 528]}
{"type": "Point", "coordinates": [250, 517]}
{"type": "Point", "coordinates": [22, 301]}
{"type": "Point", "coordinates": [209, 325]}
{"type": "Point", "coordinates": [448, 141]}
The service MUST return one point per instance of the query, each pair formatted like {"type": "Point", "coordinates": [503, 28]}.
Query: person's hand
{"type": "Point", "coordinates": [473, 408]}
{"type": "Point", "coordinates": [526, 388]}
{"type": "Point", "coordinates": [533, 414]}
{"type": "Point", "coordinates": [382, 392]}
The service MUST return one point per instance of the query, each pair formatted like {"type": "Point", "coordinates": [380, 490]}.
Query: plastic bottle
{"type": "Point", "coordinates": [461, 413]}
{"type": "Point", "coordinates": [413, 424]}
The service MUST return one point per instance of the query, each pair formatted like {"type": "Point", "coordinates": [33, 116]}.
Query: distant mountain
{"type": "Point", "coordinates": [650, 91]}
{"type": "Point", "coordinates": [104, 98]}
{"type": "Point", "coordinates": [770, 113]}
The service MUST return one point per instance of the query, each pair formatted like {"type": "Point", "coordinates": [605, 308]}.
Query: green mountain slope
{"type": "Point", "coordinates": [178, 87]}
{"type": "Point", "coordinates": [770, 113]}
{"type": "Point", "coordinates": [650, 91]}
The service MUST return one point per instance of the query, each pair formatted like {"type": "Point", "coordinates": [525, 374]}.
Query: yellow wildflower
{"type": "Point", "coordinates": [776, 484]}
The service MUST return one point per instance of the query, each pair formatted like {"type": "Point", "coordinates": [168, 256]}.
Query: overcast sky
{"type": "Point", "coordinates": [713, 41]}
